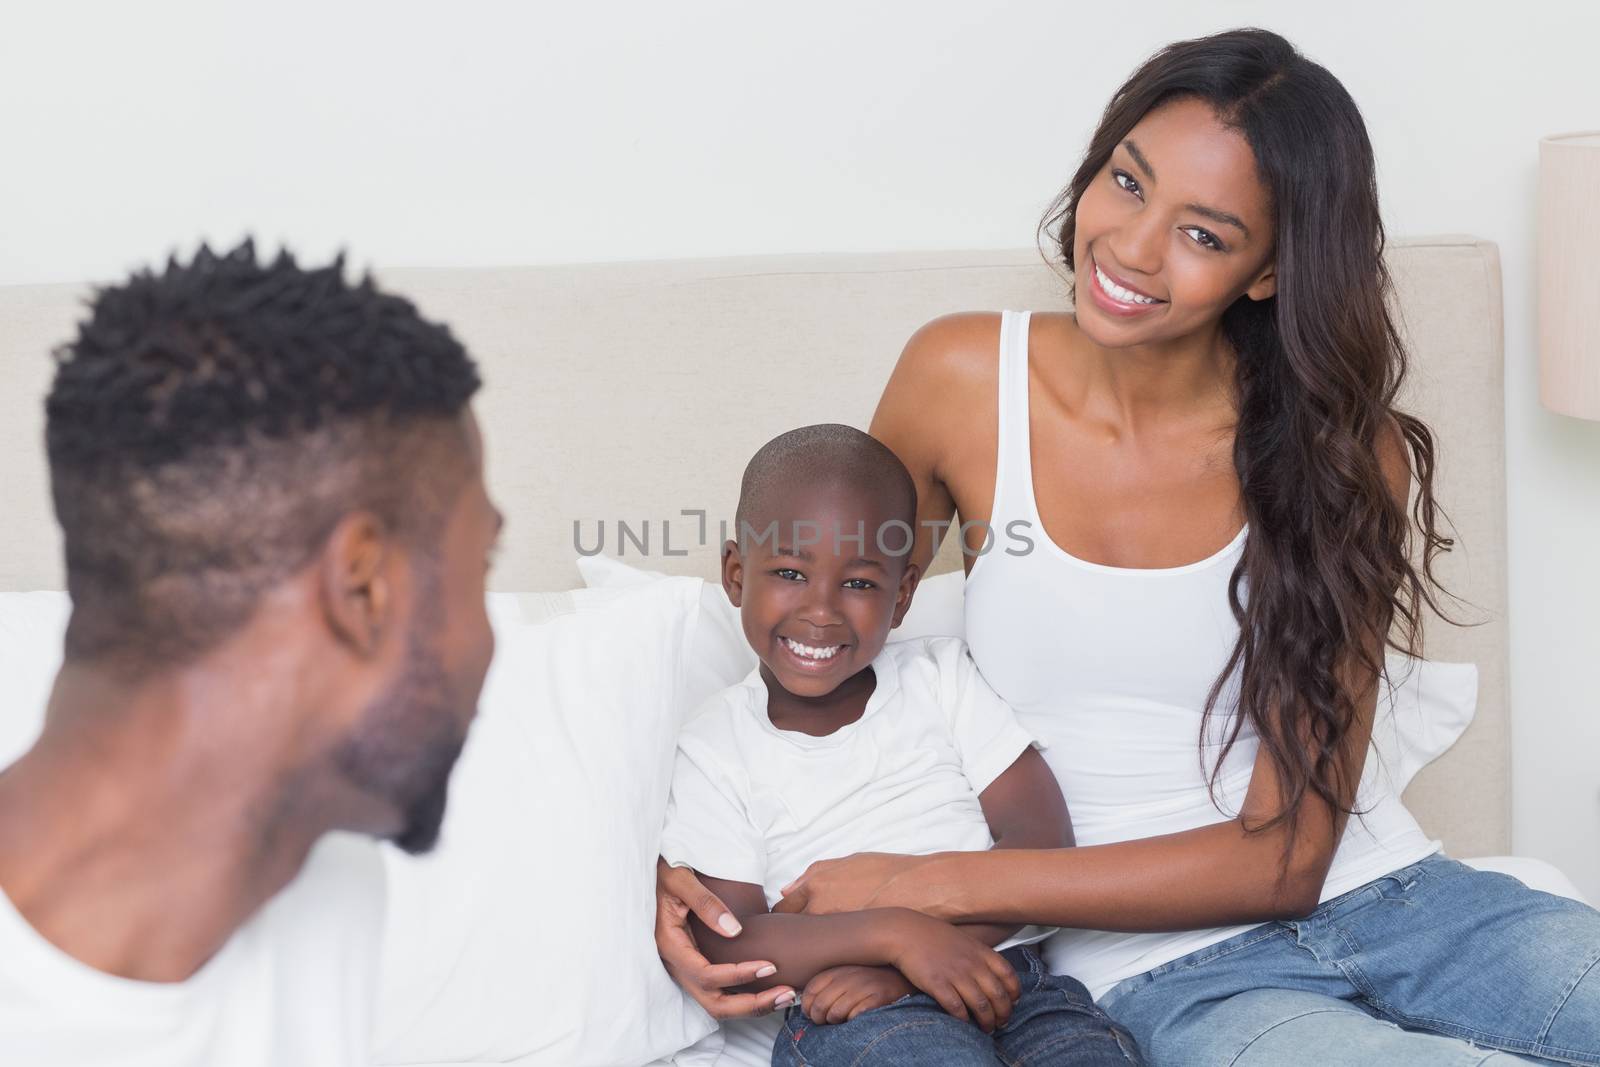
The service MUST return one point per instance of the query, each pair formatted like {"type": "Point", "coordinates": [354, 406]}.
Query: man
{"type": "Point", "coordinates": [270, 485]}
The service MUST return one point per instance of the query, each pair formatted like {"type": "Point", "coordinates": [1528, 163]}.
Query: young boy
{"type": "Point", "coordinates": [839, 743]}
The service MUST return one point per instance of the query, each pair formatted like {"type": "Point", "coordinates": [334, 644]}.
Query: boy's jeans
{"type": "Point", "coordinates": [1435, 963]}
{"type": "Point", "coordinates": [1055, 1023]}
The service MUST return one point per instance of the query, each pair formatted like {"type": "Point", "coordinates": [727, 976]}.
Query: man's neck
{"type": "Point", "coordinates": [136, 837]}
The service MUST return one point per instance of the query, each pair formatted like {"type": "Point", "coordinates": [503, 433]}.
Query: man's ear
{"type": "Point", "coordinates": [732, 572]}
{"type": "Point", "coordinates": [908, 587]}
{"type": "Point", "coordinates": [357, 596]}
{"type": "Point", "coordinates": [1266, 283]}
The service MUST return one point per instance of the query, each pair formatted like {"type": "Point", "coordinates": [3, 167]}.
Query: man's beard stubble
{"type": "Point", "coordinates": [406, 745]}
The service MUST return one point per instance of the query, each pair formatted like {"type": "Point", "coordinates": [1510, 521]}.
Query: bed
{"type": "Point", "coordinates": [633, 393]}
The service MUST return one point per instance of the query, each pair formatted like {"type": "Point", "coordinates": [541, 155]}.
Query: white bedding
{"type": "Point", "coordinates": [30, 643]}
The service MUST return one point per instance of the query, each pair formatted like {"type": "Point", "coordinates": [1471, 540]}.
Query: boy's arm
{"type": "Point", "coordinates": [1025, 809]}
{"type": "Point", "coordinates": [943, 961]}
{"type": "Point", "coordinates": [707, 822]}
{"type": "Point", "coordinates": [800, 946]}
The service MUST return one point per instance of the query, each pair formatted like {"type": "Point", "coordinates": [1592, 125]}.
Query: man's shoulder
{"type": "Point", "coordinates": [316, 946]}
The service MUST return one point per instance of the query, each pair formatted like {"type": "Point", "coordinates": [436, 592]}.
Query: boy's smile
{"type": "Point", "coordinates": [816, 602]}
{"type": "Point", "coordinates": [811, 657]}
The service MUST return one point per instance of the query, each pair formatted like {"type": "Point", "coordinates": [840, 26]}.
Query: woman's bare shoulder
{"type": "Point", "coordinates": [945, 379]}
{"type": "Point", "coordinates": [953, 351]}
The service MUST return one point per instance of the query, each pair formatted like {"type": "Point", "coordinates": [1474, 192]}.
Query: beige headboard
{"type": "Point", "coordinates": [636, 392]}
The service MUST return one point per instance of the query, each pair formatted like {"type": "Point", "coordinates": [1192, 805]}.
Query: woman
{"type": "Point", "coordinates": [1208, 464]}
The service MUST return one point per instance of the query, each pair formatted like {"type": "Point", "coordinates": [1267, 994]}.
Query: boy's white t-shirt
{"type": "Point", "coordinates": [293, 987]}
{"type": "Point", "coordinates": [753, 803]}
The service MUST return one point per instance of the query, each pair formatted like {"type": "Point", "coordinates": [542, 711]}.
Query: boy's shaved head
{"type": "Point", "coordinates": [827, 453]}
{"type": "Point", "coordinates": [823, 558]}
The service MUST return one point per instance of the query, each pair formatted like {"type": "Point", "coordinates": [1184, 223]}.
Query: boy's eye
{"type": "Point", "coordinates": [1126, 180]}
{"type": "Point", "coordinates": [861, 583]}
{"type": "Point", "coordinates": [786, 572]}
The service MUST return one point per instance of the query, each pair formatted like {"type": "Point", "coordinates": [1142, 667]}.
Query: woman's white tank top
{"type": "Point", "coordinates": [1110, 667]}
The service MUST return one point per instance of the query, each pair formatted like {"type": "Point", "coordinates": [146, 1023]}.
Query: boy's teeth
{"type": "Point", "coordinates": [826, 652]}
{"type": "Point", "coordinates": [1127, 296]}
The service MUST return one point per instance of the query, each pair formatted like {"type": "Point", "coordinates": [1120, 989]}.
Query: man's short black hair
{"type": "Point", "coordinates": [826, 453]}
{"type": "Point", "coordinates": [210, 425]}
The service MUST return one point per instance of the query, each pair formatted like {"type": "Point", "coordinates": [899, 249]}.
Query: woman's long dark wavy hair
{"type": "Point", "coordinates": [1326, 579]}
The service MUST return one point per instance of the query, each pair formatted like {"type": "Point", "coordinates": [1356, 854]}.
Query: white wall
{"type": "Point", "coordinates": [500, 133]}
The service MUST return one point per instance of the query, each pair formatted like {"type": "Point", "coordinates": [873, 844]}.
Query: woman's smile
{"type": "Point", "coordinates": [1116, 298]}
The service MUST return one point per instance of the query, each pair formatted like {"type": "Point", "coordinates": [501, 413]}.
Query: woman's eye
{"type": "Point", "coordinates": [786, 572]}
{"type": "Point", "coordinates": [1203, 238]}
{"type": "Point", "coordinates": [1126, 180]}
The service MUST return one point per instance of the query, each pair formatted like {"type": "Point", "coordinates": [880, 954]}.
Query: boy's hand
{"type": "Point", "coordinates": [969, 979]}
{"type": "Point", "coordinates": [839, 994]}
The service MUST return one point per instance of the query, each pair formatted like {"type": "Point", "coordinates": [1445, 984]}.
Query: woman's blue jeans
{"type": "Point", "coordinates": [1435, 963]}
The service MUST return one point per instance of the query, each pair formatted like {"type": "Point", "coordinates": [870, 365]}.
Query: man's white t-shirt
{"type": "Point", "coordinates": [753, 803]}
{"type": "Point", "coordinates": [293, 987]}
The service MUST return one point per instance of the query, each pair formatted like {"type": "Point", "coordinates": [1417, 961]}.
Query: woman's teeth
{"type": "Point", "coordinates": [825, 652]}
{"type": "Point", "coordinates": [1127, 296]}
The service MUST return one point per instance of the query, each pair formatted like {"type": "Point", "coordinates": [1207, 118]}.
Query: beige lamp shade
{"type": "Point", "coordinates": [1569, 274]}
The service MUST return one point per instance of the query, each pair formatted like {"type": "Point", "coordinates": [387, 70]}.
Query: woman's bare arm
{"type": "Point", "coordinates": [1215, 875]}
{"type": "Point", "coordinates": [1025, 809]}
{"type": "Point", "coordinates": [921, 413]}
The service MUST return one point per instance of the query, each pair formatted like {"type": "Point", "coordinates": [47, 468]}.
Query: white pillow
{"type": "Point", "coordinates": [1420, 713]}
{"type": "Point", "coordinates": [32, 627]}
{"type": "Point", "coordinates": [720, 651]}
{"type": "Point", "coordinates": [1423, 707]}
{"type": "Point", "coordinates": [938, 609]}
{"type": "Point", "coordinates": [527, 935]}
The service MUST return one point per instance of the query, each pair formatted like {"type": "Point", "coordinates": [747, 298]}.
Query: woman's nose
{"type": "Point", "coordinates": [1137, 244]}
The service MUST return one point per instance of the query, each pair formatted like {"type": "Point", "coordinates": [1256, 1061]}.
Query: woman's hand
{"type": "Point", "coordinates": [839, 994]}
{"type": "Point", "coordinates": [865, 880]}
{"type": "Point", "coordinates": [678, 892]}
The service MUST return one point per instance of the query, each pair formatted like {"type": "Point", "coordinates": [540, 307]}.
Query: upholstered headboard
{"type": "Point", "coordinates": [633, 393]}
